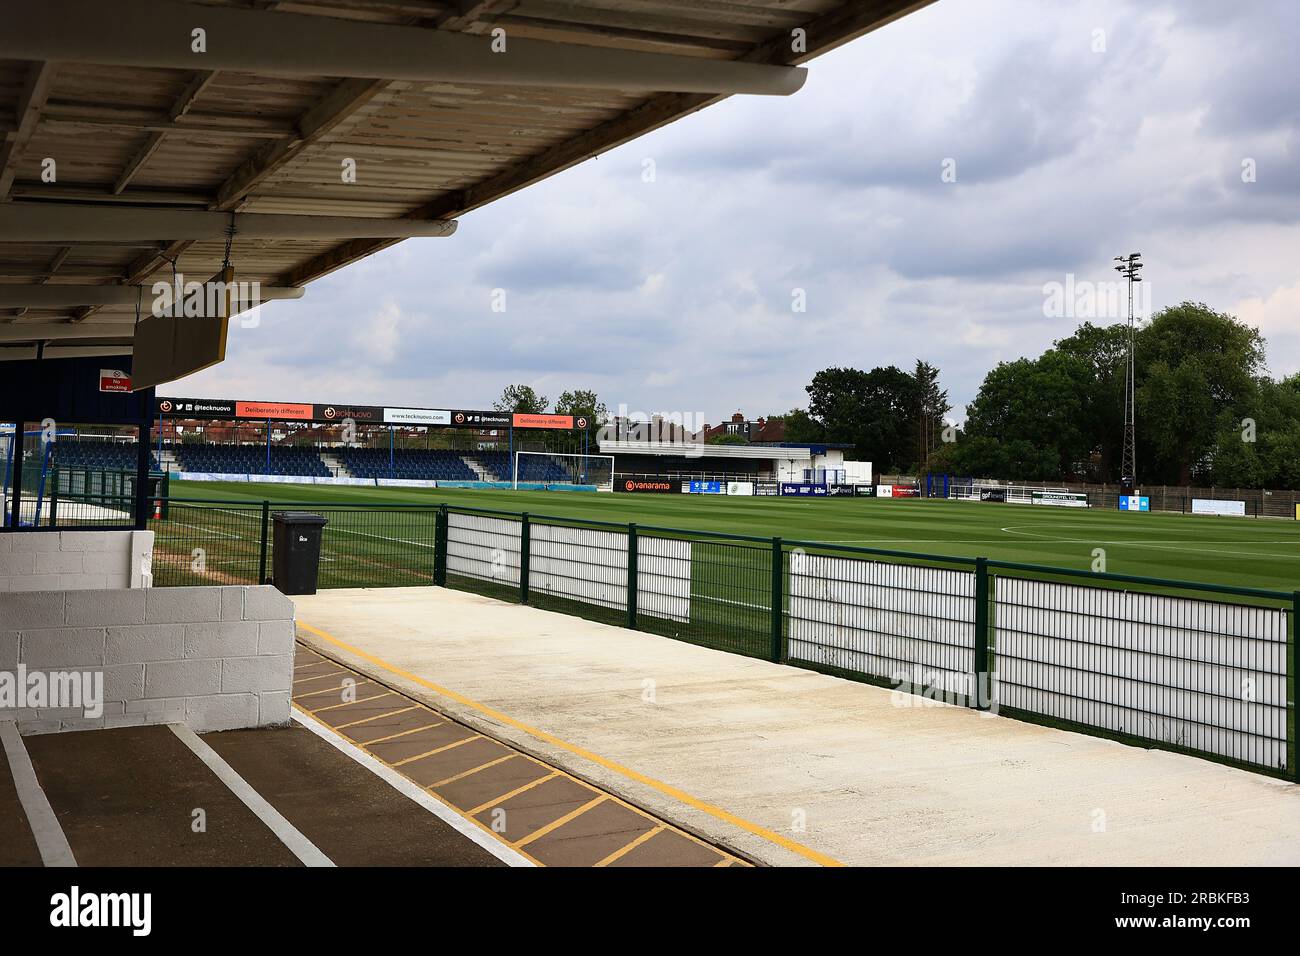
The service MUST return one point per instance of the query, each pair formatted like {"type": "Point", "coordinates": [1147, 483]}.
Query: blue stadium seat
{"type": "Point", "coordinates": [251, 460]}
{"type": "Point", "coordinates": [412, 463]}
{"type": "Point", "coordinates": [106, 455]}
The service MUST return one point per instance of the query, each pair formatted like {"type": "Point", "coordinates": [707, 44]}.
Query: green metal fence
{"type": "Point", "coordinates": [1196, 668]}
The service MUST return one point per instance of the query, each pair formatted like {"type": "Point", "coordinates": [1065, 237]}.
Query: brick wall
{"type": "Point", "coordinates": [74, 560]}
{"type": "Point", "coordinates": [215, 658]}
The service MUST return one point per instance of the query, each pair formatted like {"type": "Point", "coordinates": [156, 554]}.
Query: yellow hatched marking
{"type": "Point", "coordinates": [350, 703]}
{"type": "Point", "coordinates": [470, 773]}
{"type": "Point", "coordinates": [439, 750]}
{"type": "Point", "coordinates": [308, 680]}
{"type": "Point", "coordinates": [391, 713]}
{"type": "Point", "coordinates": [404, 733]}
{"type": "Point", "coordinates": [335, 690]}
{"type": "Point", "coordinates": [622, 852]}
{"type": "Point", "coordinates": [556, 824]}
{"type": "Point", "coordinates": [513, 793]}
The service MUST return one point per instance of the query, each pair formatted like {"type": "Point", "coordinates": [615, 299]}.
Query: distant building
{"type": "Point", "coordinates": [761, 430]}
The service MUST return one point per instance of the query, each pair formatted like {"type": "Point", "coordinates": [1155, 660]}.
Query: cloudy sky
{"type": "Point", "coordinates": [1074, 131]}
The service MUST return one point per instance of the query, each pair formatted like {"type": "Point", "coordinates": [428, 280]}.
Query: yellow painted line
{"type": "Point", "coordinates": [470, 773]}
{"type": "Point", "coordinates": [335, 691]}
{"type": "Point", "coordinates": [624, 851]}
{"type": "Point", "coordinates": [349, 703]}
{"type": "Point", "coordinates": [439, 750]}
{"type": "Point", "coordinates": [513, 793]}
{"type": "Point", "coordinates": [316, 663]}
{"type": "Point", "coordinates": [723, 862]}
{"type": "Point", "coordinates": [556, 824]}
{"type": "Point", "coordinates": [666, 789]}
{"type": "Point", "coordinates": [391, 713]}
{"type": "Point", "coordinates": [404, 733]}
{"type": "Point", "coordinates": [308, 680]}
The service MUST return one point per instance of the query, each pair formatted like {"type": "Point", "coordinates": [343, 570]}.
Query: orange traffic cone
{"type": "Point", "coordinates": [157, 509]}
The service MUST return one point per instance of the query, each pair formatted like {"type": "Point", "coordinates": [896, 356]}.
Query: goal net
{"type": "Point", "coordinates": [535, 469]}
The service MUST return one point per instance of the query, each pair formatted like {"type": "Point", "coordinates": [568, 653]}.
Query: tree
{"type": "Point", "coordinates": [872, 411]}
{"type": "Point", "coordinates": [1104, 349]}
{"type": "Point", "coordinates": [582, 403]}
{"type": "Point", "coordinates": [728, 439]}
{"type": "Point", "coordinates": [931, 407]}
{"type": "Point", "coordinates": [521, 400]}
{"type": "Point", "coordinates": [1261, 449]}
{"type": "Point", "coordinates": [1197, 368]}
{"type": "Point", "coordinates": [1028, 420]}
{"type": "Point", "coordinates": [800, 427]}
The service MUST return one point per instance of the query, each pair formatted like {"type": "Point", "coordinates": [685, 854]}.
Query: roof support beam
{"type": "Point", "coordinates": [44, 331]}
{"type": "Point", "coordinates": [340, 105]}
{"type": "Point", "coordinates": [151, 34]}
{"type": "Point", "coordinates": [69, 296]}
{"type": "Point", "coordinates": [31, 101]}
{"type": "Point", "coordinates": [182, 106]}
{"type": "Point", "coordinates": [21, 353]}
{"type": "Point", "coordinates": [91, 222]}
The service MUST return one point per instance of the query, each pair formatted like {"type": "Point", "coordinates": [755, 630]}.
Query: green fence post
{"type": "Point", "coordinates": [632, 550]}
{"type": "Point", "coordinates": [266, 527]}
{"type": "Point", "coordinates": [440, 548]}
{"type": "Point", "coordinates": [981, 631]}
{"type": "Point", "coordinates": [777, 580]}
{"type": "Point", "coordinates": [525, 537]}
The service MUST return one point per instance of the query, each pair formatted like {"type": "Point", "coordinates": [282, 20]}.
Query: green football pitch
{"type": "Point", "coordinates": [1249, 552]}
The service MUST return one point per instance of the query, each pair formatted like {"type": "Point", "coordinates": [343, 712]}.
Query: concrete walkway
{"type": "Point", "coordinates": [793, 767]}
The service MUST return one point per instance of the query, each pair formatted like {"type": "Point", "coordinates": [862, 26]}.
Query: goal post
{"type": "Point", "coordinates": [552, 468]}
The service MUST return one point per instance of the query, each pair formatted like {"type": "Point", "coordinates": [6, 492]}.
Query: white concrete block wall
{"type": "Point", "coordinates": [215, 658]}
{"type": "Point", "coordinates": [75, 560]}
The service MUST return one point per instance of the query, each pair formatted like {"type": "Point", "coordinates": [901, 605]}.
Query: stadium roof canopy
{"type": "Point", "coordinates": [125, 149]}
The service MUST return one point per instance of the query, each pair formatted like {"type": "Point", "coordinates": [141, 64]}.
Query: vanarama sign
{"type": "Point", "coordinates": [650, 486]}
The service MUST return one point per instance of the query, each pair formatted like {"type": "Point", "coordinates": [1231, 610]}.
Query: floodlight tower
{"type": "Point", "coordinates": [1129, 267]}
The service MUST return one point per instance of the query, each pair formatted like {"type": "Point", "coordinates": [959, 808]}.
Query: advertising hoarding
{"type": "Point", "coordinates": [1215, 506]}
{"type": "Point", "coordinates": [707, 488]}
{"type": "Point", "coordinates": [797, 489]}
{"type": "Point", "coordinates": [1060, 499]}
{"type": "Point", "coordinates": [993, 494]}
{"type": "Point", "coordinates": [417, 416]}
{"type": "Point", "coordinates": [1134, 503]}
{"type": "Point", "coordinates": [543, 421]}
{"type": "Point", "coordinates": [648, 486]}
